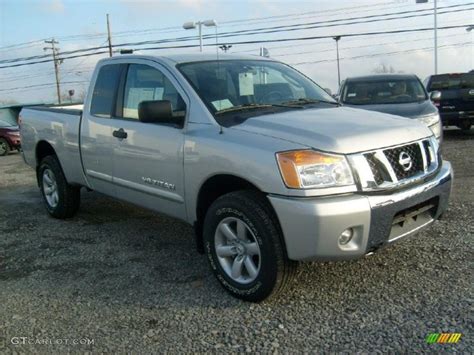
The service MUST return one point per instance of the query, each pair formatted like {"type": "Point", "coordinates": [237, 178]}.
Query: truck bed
{"type": "Point", "coordinates": [59, 126]}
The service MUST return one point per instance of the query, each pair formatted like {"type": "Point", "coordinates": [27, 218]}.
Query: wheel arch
{"type": "Point", "coordinates": [211, 189]}
{"type": "Point", "coordinates": [43, 149]}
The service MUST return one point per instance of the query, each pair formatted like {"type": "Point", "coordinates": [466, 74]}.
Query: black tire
{"type": "Point", "coordinates": [276, 271]}
{"type": "Point", "coordinates": [4, 147]}
{"type": "Point", "coordinates": [465, 125]}
{"type": "Point", "coordinates": [69, 197]}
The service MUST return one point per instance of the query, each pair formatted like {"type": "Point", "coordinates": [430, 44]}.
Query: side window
{"type": "Point", "coordinates": [103, 97]}
{"type": "Point", "coordinates": [145, 83]}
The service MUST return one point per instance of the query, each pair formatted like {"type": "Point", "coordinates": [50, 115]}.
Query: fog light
{"type": "Point", "coordinates": [346, 236]}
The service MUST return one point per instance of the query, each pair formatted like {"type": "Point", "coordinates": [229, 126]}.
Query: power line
{"type": "Point", "coordinates": [42, 85]}
{"type": "Point", "coordinates": [231, 23]}
{"type": "Point", "coordinates": [365, 46]}
{"type": "Point", "coordinates": [276, 29]}
{"type": "Point", "coordinates": [255, 49]}
{"type": "Point", "coordinates": [253, 42]}
{"type": "Point", "coordinates": [385, 53]}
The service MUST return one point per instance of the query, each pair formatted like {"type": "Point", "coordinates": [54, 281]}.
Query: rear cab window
{"type": "Point", "coordinates": [451, 82]}
{"type": "Point", "coordinates": [105, 90]}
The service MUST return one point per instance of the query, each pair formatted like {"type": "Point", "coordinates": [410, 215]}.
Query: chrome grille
{"type": "Point", "coordinates": [413, 151]}
{"type": "Point", "coordinates": [375, 167]}
{"type": "Point", "coordinates": [391, 167]}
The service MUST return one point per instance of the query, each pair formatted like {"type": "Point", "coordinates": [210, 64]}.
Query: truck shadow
{"type": "Point", "coordinates": [455, 134]}
{"type": "Point", "coordinates": [115, 252]}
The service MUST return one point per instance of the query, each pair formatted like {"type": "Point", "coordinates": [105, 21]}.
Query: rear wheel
{"type": "Point", "coordinates": [4, 147]}
{"type": "Point", "coordinates": [61, 199]}
{"type": "Point", "coordinates": [465, 125]}
{"type": "Point", "coordinates": [243, 243]}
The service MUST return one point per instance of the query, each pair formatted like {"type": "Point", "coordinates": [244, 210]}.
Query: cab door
{"type": "Point", "coordinates": [148, 159]}
{"type": "Point", "coordinates": [97, 142]}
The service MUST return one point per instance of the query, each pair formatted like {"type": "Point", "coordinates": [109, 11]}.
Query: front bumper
{"type": "Point", "coordinates": [312, 226]}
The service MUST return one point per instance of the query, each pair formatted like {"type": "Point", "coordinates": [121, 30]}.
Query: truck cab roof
{"type": "Point", "coordinates": [187, 57]}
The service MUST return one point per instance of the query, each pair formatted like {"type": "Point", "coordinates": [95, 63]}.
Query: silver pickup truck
{"type": "Point", "coordinates": [265, 165]}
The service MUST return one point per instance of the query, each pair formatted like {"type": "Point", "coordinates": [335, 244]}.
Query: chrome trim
{"type": "Point", "coordinates": [380, 156]}
{"type": "Point", "coordinates": [423, 155]}
{"type": "Point", "coordinates": [100, 176]}
{"type": "Point", "coordinates": [366, 177]}
{"type": "Point", "coordinates": [384, 200]}
{"type": "Point", "coordinates": [168, 195]}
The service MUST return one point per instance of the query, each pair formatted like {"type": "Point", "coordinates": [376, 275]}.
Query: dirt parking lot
{"type": "Point", "coordinates": [119, 278]}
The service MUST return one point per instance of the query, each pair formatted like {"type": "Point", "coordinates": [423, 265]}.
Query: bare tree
{"type": "Point", "coordinates": [78, 96]}
{"type": "Point", "coordinates": [6, 102]}
{"type": "Point", "coordinates": [384, 69]}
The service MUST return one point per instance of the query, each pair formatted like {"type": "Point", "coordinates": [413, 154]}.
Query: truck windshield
{"type": "Point", "coordinates": [230, 86]}
{"type": "Point", "coordinates": [383, 91]}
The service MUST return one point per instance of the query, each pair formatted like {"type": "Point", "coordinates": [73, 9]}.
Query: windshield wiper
{"type": "Point", "coordinates": [242, 108]}
{"type": "Point", "coordinates": [253, 106]}
{"type": "Point", "coordinates": [305, 101]}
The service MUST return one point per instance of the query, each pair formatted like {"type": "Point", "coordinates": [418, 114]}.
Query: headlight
{"type": "Point", "coordinates": [433, 122]}
{"type": "Point", "coordinates": [436, 129]}
{"type": "Point", "coordinates": [303, 169]}
{"type": "Point", "coordinates": [430, 119]}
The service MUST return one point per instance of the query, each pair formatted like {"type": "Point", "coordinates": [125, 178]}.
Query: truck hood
{"type": "Point", "coordinates": [337, 129]}
{"type": "Point", "coordinates": [410, 110]}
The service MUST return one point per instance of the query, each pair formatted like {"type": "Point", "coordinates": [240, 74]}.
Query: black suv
{"type": "Point", "coordinates": [453, 94]}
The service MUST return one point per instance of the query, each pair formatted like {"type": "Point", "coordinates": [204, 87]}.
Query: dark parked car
{"type": "Point", "coordinates": [454, 96]}
{"type": "Point", "coordinates": [9, 138]}
{"type": "Point", "coordinates": [396, 94]}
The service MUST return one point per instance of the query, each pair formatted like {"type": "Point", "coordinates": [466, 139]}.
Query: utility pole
{"type": "Point", "coordinates": [56, 61]}
{"type": "Point", "coordinates": [337, 38]}
{"type": "Point", "coordinates": [435, 12]}
{"type": "Point", "coordinates": [109, 36]}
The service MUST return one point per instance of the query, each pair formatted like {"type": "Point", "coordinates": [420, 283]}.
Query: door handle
{"type": "Point", "coordinates": [120, 134]}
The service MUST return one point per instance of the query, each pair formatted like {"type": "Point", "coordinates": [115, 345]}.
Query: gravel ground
{"type": "Point", "coordinates": [118, 278]}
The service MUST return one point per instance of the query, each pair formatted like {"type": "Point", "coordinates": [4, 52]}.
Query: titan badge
{"type": "Point", "coordinates": [159, 183]}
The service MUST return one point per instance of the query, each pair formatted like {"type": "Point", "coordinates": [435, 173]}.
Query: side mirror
{"type": "Point", "coordinates": [328, 91]}
{"type": "Point", "coordinates": [435, 95]}
{"type": "Point", "coordinates": [157, 111]}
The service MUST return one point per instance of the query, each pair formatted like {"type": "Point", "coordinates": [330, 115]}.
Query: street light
{"type": "Point", "coordinates": [337, 38]}
{"type": "Point", "coordinates": [435, 11]}
{"type": "Point", "coordinates": [192, 25]}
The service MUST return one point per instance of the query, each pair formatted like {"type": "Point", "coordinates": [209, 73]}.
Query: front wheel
{"type": "Point", "coordinates": [243, 244]}
{"type": "Point", "coordinates": [61, 199]}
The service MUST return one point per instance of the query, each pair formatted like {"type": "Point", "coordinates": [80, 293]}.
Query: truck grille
{"type": "Point", "coordinates": [376, 167]}
{"type": "Point", "coordinates": [385, 168]}
{"type": "Point", "coordinates": [411, 153]}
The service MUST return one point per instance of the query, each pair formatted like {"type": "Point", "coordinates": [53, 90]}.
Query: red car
{"type": "Point", "coordinates": [9, 138]}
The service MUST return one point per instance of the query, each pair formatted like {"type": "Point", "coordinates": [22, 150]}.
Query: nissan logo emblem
{"type": "Point", "coordinates": [405, 161]}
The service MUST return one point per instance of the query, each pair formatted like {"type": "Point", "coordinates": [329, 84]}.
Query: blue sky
{"type": "Point", "coordinates": [81, 24]}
